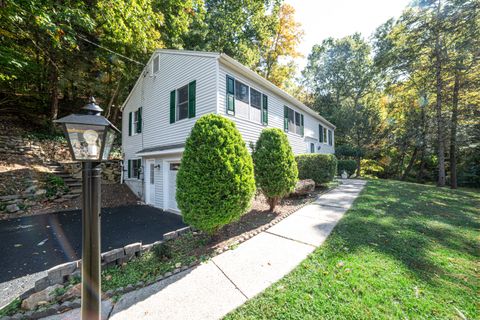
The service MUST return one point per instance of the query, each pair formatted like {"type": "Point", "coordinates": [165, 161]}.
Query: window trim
{"type": "Point", "coordinates": [177, 104]}
{"type": "Point", "coordinates": [295, 122]}
{"type": "Point", "coordinates": [250, 88]}
{"type": "Point", "coordinates": [131, 169]}
{"type": "Point", "coordinates": [134, 123]}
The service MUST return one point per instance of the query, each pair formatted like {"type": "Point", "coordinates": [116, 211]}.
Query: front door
{"type": "Point", "coordinates": [172, 186]}
{"type": "Point", "coordinates": [150, 181]}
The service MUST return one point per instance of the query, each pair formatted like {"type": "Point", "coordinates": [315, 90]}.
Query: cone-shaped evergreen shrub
{"type": "Point", "coordinates": [215, 182]}
{"type": "Point", "coordinates": [275, 167]}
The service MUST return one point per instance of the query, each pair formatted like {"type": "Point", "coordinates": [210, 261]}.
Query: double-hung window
{"type": "Point", "coordinates": [182, 103]}
{"type": "Point", "coordinates": [312, 147]}
{"type": "Point", "coordinates": [293, 121]}
{"type": "Point", "coordinates": [134, 168]}
{"type": "Point", "coordinates": [246, 102]}
{"type": "Point", "coordinates": [330, 137]}
{"type": "Point", "coordinates": [135, 122]}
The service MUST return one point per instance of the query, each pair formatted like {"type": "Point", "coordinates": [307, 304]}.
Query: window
{"type": "Point", "coordinates": [241, 91]}
{"type": "Point", "coordinates": [152, 173]}
{"type": "Point", "coordinates": [246, 102]}
{"type": "Point", "coordinates": [135, 122]}
{"type": "Point", "coordinates": [324, 135]}
{"type": "Point", "coordinates": [312, 148]}
{"type": "Point", "coordinates": [320, 133]}
{"type": "Point", "coordinates": [156, 64]}
{"type": "Point", "coordinates": [134, 168]}
{"type": "Point", "coordinates": [182, 103]}
{"type": "Point", "coordinates": [330, 137]}
{"type": "Point", "coordinates": [293, 121]}
{"type": "Point", "coordinates": [255, 99]}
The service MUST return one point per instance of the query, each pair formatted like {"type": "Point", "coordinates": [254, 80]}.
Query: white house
{"type": "Point", "coordinates": [178, 87]}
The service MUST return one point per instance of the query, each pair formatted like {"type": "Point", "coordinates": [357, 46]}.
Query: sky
{"type": "Point", "coordinates": [321, 19]}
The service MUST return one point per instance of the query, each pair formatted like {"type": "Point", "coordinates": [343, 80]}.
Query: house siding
{"type": "Point", "coordinates": [251, 130]}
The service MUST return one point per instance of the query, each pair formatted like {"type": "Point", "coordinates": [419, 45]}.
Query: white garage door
{"type": "Point", "coordinates": [172, 186]}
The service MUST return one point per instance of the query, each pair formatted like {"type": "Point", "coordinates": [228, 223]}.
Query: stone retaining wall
{"type": "Point", "coordinates": [111, 170]}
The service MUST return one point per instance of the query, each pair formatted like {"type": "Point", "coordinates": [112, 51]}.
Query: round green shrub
{"type": "Point", "coordinates": [321, 168]}
{"type": "Point", "coordinates": [215, 182]}
{"type": "Point", "coordinates": [350, 166]}
{"type": "Point", "coordinates": [275, 168]}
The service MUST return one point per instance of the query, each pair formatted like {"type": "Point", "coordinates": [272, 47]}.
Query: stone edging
{"type": "Point", "coordinates": [61, 273]}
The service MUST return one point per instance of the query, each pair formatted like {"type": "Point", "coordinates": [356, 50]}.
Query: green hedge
{"type": "Point", "coordinates": [275, 167]}
{"type": "Point", "coordinates": [319, 167]}
{"type": "Point", "coordinates": [215, 182]}
{"type": "Point", "coordinates": [350, 166]}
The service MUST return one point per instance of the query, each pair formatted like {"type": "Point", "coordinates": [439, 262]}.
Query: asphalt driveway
{"type": "Point", "coordinates": [32, 244]}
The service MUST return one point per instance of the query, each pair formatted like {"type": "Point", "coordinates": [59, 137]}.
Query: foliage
{"type": "Point", "coordinates": [11, 308]}
{"type": "Point", "coordinates": [275, 168]}
{"type": "Point", "coordinates": [397, 253]}
{"type": "Point", "coordinates": [162, 251]}
{"type": "Point", "coordinates": [321, 168]}
{"type": "Point", "coordinates": [215, 183]}
{"type": "Point", "coordinates": [54, 185]}
{"type": "Point", "coordinates": [371, 168]}
{"type": "Point", "coordinates": [349, 166]}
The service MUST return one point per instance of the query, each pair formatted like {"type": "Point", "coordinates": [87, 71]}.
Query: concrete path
{"type": "Point", "coordinates": [227, 281]}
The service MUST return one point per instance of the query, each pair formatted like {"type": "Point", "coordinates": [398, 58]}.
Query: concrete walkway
{"type": "Point", "coordinates": [215, 288]}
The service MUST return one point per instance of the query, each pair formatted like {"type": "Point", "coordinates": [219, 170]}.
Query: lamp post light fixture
{"type": "Point", "coordinates": [90, 137]}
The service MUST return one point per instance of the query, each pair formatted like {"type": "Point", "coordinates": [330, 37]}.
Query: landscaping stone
{"type": "Point", "coordinates": [304, 187]}
{"type": "Point", "coordinates": [12, 208]}
{"type": "Point", "coordinates": [41, 284]}
{"type": "Point", "coordinates": [40, 192]}
{"type": "Point", "coordinates": [170, 235]}
{"type": "Point", "coordinates": [132, 249]}
{"type": "Point", "coordinates": [45, 295]}
{"type": "Point", "coordinates": [58, 273]}
{"type": "Point", "coordinates": [10, 197]}
{"type": "Point", "coordinates": [72, 292]}
{"type": "Point", "coordinates": [113, 255]}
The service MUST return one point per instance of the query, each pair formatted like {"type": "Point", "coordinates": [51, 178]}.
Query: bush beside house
{"type": "Point", "coordinates": [348, 165]}
{"type": "Point", "coordinates": [215, 182]}
{"type": "Point", "coordinates": [275, 168]}
{"type": "Point", "coordinates": [321, 168]}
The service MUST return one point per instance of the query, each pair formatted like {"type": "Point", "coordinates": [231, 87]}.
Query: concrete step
{"type": "Point", "coordinates": [71, 195]}
{"type": "Point", "coordinates": [75, 191]}
{"type": "Point", "coordinates": [73, 184]}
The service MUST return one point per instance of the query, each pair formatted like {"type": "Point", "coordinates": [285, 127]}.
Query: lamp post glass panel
{"type": "Point", "coordinates": [90, 138]}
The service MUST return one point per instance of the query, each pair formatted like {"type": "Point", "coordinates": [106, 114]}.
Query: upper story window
{"type": "Point", "coordinates": [330, 137]}
{"type": "Point", "coordinates": [183, 102]}
{"type": "Point", "coordinates": [246, 102]}
{"type": "Point", "coordinates": [293, 121]}
{"type": "Point", "coordinates": [156, 64]}
{"type": "Point", "coordinates": [135, 122]}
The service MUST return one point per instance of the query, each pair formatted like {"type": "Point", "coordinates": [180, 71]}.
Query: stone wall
{"type": "Point", "coordinates": [111, 170]}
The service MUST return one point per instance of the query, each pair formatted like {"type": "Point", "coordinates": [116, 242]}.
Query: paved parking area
{"type": "Point", "coordinates": [31, 245]}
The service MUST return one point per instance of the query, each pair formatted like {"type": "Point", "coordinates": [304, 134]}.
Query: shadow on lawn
{"type": "Point", "coordinates": [410, 223]}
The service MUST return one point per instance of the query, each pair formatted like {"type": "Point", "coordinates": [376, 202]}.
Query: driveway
{"type": "Point", "coordinates": [30, 245]}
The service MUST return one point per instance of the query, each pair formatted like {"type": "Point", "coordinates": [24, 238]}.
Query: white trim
{"type": "Point", "coordinates": [156, 153]}
{"type": "Point", "coordinates": [166, 175]}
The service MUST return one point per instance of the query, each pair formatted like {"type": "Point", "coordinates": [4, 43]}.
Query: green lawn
{"type": "Point", "coordinates": [404, 251]}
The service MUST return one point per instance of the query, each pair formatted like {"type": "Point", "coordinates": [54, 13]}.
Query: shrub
{"type": "Point", "coordinates": [162, 251]}
{"type": "Point", "coordinates": [348, 165]}
{"type": "Point", "coordinates": [275, 168]}
{"type": "Point", "coordinates": [54, 185]}
{"type": "Point", "coordinates": [370, 168]}
{"type": "Point", "coordinates": [321, 168]}
{"type": "Point", "coordinates": [215, 182]}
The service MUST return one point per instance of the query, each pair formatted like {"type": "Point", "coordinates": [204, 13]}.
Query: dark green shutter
{"type": "Point", "coordinates": [320, 133]}
{"type": "Point", "coordinates": [230, 95]}
{"type": "Point", "coordinates": [129, 123]}
{"type": "Point", "coordinates": [301, 125]}
{"type": "Point", "coordinates": [172, 106]}
{"type": "Point", "coordinates": [139, 120]}
{"type": "Point", "coordinates": [265, 110]}
{"type": "Point", "coordinates": [129, 170]}
{"type": "Point", "coordinates": [330, 142]}
{"type": "Point", "coordinates": [191, 98]}
{"type": "Point", "coordinates": [285, 118]}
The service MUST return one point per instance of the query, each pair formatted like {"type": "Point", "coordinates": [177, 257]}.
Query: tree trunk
{"type": "Point", "coordinates": [53, 92]}
{"type": "Point", "coordinates": [410, 164]}
{"type": "Point", "coordinates": [453, 132]}
{"type": "Point", "coordinates": [438, 107]}
{"type": "Point", "coordinates": [272, 202]}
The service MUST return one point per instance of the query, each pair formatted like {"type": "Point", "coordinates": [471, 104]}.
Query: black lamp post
{"type": "Point", "coordinates": [90, 137]}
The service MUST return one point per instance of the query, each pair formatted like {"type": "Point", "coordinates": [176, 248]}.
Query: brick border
{"type": "Point", "coordinates": [60, 274]}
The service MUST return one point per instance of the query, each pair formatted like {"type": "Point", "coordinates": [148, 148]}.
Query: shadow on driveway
{"type": "Point", "coordinates": [37, 243]}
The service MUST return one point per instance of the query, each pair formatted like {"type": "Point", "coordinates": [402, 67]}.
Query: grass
{"type": "Point", "coordinates": [404, 251]}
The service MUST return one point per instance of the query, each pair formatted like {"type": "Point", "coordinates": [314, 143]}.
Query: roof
{"type": "Point", "coordinates": [162, 149]}
{"type": "Point", "coordinates": [229, 61]}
